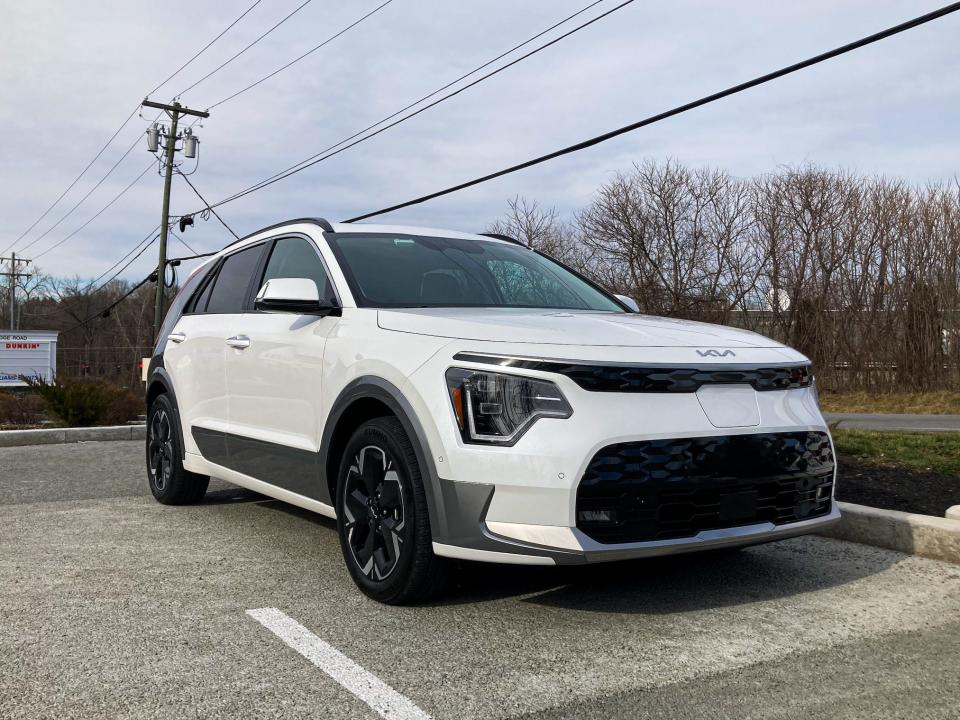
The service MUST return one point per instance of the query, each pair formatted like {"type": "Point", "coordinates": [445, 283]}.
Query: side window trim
{"type": "Point", "coordinates": [256, 279]}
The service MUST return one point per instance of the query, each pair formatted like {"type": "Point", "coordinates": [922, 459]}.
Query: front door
{"type": "Point", "coordinates": [274, 378]}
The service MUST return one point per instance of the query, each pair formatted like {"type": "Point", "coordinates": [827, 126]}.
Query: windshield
{"type": "Point", "coordinates": [418, 271]}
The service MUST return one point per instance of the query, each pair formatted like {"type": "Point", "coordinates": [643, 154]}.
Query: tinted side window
{"type": "Point", "coordinates": [199, 303]}
{"type": "Point", "coordinates": [229, 292]}
{"type": "Point", "coordinates": [297, 258]}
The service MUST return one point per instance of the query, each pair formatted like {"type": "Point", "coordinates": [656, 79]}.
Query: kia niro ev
{"type": "Point", "coordinates": [447, 395]}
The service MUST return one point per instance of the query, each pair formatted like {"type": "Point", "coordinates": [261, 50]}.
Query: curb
{"type": "Point", "coordinates": [924, 535]}
{"type": "Point", "coordinates": [890, 422]}
{"type": "Point", "coordinates": [56, 436]}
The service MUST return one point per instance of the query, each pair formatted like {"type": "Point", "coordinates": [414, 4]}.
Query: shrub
{"type": "Point", "coordinates": [80, 403]}
{"type": "Point", "coordinates": [21, 409]}
{"type": "Point", "coordinates": [125, 406]}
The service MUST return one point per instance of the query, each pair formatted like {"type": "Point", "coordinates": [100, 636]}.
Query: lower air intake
{"type": "Point", "coordinates": [675, 488]}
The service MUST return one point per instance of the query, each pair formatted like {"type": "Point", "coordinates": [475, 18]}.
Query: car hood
{"type": "Point", "coordinates": [553, 327]}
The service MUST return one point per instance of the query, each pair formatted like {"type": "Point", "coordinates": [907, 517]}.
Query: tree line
{"type": "Point", "coordinates": [861, 274]}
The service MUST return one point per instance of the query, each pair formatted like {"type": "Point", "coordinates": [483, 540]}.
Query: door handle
{"type": "Point", "coordinates": [177, 337]}
{"type": "Point", "coordinates": [239, 342]}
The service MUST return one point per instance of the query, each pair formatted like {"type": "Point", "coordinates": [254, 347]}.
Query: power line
{"type": "Point", "coordinates": [128, 254]}
{"type": "Point", "coordinates": [119, 130]}
{"type": "Point", "coordinates": [103, 313]}
{"type": "Point", "coordinates": [204, 201]}
{"type": "Point", "coordinates": [241, 52]}
{"type": "Point", "coordinates": [106, 311]}
{"type": "Point", "coordinates": [830, 54]}
{"type": "Point", "coordinates": [301, 57]}
{"type": "Point", "coordinates": [330, 152]}
{"type": "Point", "coordinates": [204, 48]}
{"type": "Point", "coordinates": [75, 180]}
{"type": "Point", "coordinates": [97, 214]}
{"type": "Point", "coordinates": [183, 242]}
{"type": "Point", "coordinates": [193, 257]}
{"type": "Point", "coordinates": [128, 263]}
{"type": "Point", "coordinates": [422, 99]}
{"type": "Point", "coordinates": [82, 200]}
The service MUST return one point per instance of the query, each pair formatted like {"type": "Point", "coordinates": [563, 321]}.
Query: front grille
{"type": "Point", "coordinates": [656, 379]}
{"type": "Point", "coordinates": [677, 487]}
{"type": "Point", "coordinates": [608, 378]}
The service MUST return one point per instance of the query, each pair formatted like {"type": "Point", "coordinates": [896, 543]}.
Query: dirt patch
{"type": "Point", "coordinates": [895, 488]}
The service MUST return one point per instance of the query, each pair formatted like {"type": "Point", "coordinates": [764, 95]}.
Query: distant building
{"type": "Point", "coordinates": [29, 353]}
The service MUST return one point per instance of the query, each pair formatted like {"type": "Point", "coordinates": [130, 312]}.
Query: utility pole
{"type": "Point", "coordinates": [14, 275]}
{"type": "Point", "coordinates": [174, 111]}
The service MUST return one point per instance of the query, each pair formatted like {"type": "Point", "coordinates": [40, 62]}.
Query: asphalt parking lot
{"type": "Point", "coordinates": [112, 605]}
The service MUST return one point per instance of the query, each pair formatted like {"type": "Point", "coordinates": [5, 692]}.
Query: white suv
{"type": "Point", "coordinates": [447, 395]}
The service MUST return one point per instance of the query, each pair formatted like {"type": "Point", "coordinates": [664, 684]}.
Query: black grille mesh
{"type": "Point", "coordinates": [684, 380]}
{"type": "Point", "coordinates": [675, 488]}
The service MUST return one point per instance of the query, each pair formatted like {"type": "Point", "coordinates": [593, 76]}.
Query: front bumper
{"type": "Point", "coordinates": [589, 550]}
{"type": "Point", "coordinates": [484, 540]}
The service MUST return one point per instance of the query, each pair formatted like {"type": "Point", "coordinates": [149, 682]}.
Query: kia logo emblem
{"type": "Point", "coordinates": [716, 353]}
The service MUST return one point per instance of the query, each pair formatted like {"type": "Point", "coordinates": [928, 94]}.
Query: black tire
{"type": "Point", "coordinates": [169, 482]}
{"type": "Point", "coordinates": [382, 516]}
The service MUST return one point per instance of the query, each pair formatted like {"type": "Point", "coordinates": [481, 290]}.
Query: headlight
{"type": "Point", "coordinates": [497, 408]}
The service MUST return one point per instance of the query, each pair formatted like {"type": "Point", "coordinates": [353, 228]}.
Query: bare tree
{"type": "Point", "coordinates": [861, 274]}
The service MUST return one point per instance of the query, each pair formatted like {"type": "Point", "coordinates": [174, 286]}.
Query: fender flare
{"type": "Point", "coordinates": [157, 375]}
{"type": "Point", "coordinates": [373, 387]}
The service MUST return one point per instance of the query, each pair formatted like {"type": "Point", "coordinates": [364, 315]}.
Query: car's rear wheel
{"type": "Point", "coordinates": [382, 516]}
{"type": "Point", "coordinates": [169, 482]}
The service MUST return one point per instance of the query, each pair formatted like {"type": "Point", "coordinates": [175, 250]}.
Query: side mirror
{"type": "Point", "coordinates": [629, 302]}
{"type": "Point", "coordinates": [293, 295]}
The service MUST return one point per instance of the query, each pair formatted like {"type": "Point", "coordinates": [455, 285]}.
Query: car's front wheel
{"type": "Point", "coordinates": [382, 516]}
{"type": "Point", "coordinates": [169, 482]}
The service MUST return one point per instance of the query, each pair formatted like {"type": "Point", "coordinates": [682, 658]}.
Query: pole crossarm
{"type": "Point", "coordinates": [175, 108]}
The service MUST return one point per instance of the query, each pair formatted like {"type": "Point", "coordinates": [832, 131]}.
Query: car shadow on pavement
{"type": "Point", "coordinates": [679, 583]}
{"type": "Point", "coordinates": [230, 495]}
{"type": "Point", "coordinates": [308, 515]}
{"type": "Point", "coordinates": [664, 585]}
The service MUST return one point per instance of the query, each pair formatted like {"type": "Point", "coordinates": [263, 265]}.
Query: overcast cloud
{"type": "Point", "coordinates": [70, 71]}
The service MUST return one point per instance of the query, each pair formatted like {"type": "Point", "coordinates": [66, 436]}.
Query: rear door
{"type": "Point", "coordinates": [274, 381]}
{"type": "Point", "coordinates": [197, 350]}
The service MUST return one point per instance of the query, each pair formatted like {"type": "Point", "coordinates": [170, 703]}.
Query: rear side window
{"type": "Point", "coordinates": [296, 257]}
{"type": "Point", "coordinates": [230, 288]}
{"type": "Point", "coordinates": [180, 304]}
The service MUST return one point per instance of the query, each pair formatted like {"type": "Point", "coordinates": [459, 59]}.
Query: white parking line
{"type": "Point", "coordinates": [368, 687]}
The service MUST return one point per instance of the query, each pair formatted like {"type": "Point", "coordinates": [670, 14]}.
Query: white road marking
{"type": "Point", "coordinates": [386, 701]}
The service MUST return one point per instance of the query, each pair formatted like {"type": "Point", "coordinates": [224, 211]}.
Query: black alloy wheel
{"type": "Point", "coordinates": [170, 483]}
{"type": "Point", "coordinates": [382, 517]}
{"type": "Point", "coordinates": [160, 452]}
{"type": "Point", "coordinates": [373, 512]}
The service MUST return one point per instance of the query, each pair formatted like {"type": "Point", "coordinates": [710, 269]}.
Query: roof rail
{"type": "Point", "coordinates": [323, 223]}
{"type": "Point", "coordinates": [501, 236]}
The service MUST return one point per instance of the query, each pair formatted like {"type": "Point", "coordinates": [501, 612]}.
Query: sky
{"type": "Point", "coordinates": [72, 70]}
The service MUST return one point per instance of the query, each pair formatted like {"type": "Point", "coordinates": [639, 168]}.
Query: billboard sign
{"type": "Point", "coordinates": [30, 353]}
